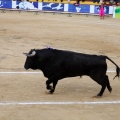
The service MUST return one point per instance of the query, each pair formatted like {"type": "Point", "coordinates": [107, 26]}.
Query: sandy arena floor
{"type": "Point", "coordinates": [20, 32]}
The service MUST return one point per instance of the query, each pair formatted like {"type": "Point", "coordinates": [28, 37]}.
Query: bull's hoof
{"type": "Point", "coordinates": [48, 92]}
{"type": "Point", "coordinates": [110, 90]}
{"type": "Point", "coordinates": [96, 96]}
{"type": "Point", "coordinates": [51, 91]}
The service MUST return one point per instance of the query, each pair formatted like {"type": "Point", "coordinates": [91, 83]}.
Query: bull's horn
{"type": "Point", "coordinates": [26, 54]}
{"type": "Point", "coordinates": [30, 55]}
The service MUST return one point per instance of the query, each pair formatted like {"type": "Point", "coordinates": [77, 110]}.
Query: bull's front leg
{"type": "Point", "coordinates": [49, 87]}
{"type": "Point", "coordinates": [53, 79]}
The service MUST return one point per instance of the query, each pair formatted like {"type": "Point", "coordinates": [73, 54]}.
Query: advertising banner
{"type": "Point", "coordinates": [53, 6]}
{"type": "Point", "coordinates": [117, 12]}
{"type": "Point", "coordinates": [26, 5]}
{"type": "Point", "coordinates": [80, 8]}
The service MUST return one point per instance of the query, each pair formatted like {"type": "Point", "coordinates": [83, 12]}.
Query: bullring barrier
{"type": "Point", "coordinates": [54, 8]}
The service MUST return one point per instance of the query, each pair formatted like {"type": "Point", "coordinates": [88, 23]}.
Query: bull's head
{"type": "Point", "coordinates": [31, 60]}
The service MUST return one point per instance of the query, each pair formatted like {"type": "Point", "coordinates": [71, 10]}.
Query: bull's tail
{"type": "Point", "coordinates": [117, 68]}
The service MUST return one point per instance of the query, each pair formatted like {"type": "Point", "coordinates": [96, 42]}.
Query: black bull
{"type": "Point", "coordinates": [58, 64]}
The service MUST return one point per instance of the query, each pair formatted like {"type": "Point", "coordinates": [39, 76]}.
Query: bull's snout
{"type": "Point", "coordinates": [26, 67]}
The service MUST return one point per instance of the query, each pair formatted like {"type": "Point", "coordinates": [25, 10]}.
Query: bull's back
{"type": "Point", "coordinates": [76, 64]}
{"type": "Point", "coordinates": [72, 63]}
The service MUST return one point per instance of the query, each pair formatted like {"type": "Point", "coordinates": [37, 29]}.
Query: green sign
{"type": "Point", "coordinates": [117, 12]}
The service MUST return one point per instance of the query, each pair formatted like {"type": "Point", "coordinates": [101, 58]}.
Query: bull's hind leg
{"type": "Point", "coordinates": [100, 81]}
{"type": "Point", "coordinates": [105, 82]}
{"type": "Point", "coordinates": [108, 83]}
{"type": "Point", "coordinates": [102, 90]}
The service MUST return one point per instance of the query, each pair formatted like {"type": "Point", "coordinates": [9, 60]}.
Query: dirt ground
{"type": "Point", "coordinates": [20, 32]}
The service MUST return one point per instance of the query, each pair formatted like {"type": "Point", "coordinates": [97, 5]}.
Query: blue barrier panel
{"type": "Point", "coordinates": [5, 3]}
{"type": "Point", "coordinates": [52, 6]}
{"type": "Point", "coordinates": [97, 8]}
{"type": "Point", "coordinates": [79, 9]}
